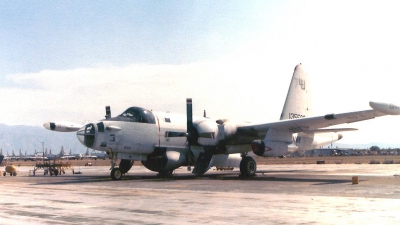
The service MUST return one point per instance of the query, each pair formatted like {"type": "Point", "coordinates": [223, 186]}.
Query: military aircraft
{"type": "Point", "coordinates": [22, 156]}
{"type": "Point", "coordinates": [164, 142]}
{"type": "Point", "coordinates": [87, 155]}
{"type": "Point", "coordinates": [50, 156]}
{"type": "Point", "coordinates": [32, 157]}
{"type": "Point", "coordinates": [99, 155]}
{"type": "Point", "coordinates": [71, 156]}
{"type": "Point", "coordinates": [13, 156]}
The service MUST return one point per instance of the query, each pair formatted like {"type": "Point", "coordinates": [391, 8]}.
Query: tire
{"type": "Point", "coordinates": [125, 165]}
{"type": "Point", "coordinates": [248, 167]}
{"type": "Point", "coordinates": [14, 174]}
{"type": "Point", "coordinates": [116, 174]}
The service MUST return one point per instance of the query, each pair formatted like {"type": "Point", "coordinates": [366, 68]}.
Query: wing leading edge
{"type": "Point", "coordinates": [314, 124]}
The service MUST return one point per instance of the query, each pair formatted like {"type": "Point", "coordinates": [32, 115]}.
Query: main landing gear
{"type": "Point", "coordinates": [248, 166]}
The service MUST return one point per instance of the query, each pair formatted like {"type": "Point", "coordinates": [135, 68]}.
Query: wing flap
{"type": "Point", "coordinates": [332, 130]}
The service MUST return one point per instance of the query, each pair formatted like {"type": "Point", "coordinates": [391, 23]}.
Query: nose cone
{"type": "Point", "coordinates": [80, 135]}
{"type": "Point", "coordinates": [86, 135]}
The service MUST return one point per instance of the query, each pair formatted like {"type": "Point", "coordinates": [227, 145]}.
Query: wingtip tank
{"type": "Point", "coordinates": [62, 126]}
{"type": "Point", "coordinates": [387, 108]}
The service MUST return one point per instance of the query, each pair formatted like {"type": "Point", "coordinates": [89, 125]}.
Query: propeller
{"type": "Point", "coordinates": [191, 132]}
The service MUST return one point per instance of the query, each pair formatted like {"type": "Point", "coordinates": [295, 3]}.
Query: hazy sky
{"type": "Point", "coordinates": [67, 60]}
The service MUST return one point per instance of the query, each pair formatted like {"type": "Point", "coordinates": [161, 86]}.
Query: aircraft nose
{"type": "Point", "coordinates": [80, 135]}
{"type": "Point", "coordinates": [87, 134]}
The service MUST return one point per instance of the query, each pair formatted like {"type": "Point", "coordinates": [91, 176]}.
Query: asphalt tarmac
{"type": "Point", "coordinates": [279, 194]}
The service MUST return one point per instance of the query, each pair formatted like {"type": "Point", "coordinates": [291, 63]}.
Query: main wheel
{"type": "Point", "coordinates": [116, 174]}
{"type": "Point", "coordinates": [248, 166]}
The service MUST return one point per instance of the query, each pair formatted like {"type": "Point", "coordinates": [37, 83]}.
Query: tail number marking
{"type": "Point", "coordinates": [302, 84]}
{"type": "Point", "coordinates": [295, 116]}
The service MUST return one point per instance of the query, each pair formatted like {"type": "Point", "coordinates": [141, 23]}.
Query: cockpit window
{"type": "Point", "coordinates": [140, 115]}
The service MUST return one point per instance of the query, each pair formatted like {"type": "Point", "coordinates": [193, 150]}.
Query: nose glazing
{"type": "Point", "coordinates": [86, 135]}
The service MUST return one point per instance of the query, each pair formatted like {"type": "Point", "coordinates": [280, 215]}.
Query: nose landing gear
{"type": "Point", "coordinates": [124, 166]}
{"type": "Point", "coordinates": [116, 174]}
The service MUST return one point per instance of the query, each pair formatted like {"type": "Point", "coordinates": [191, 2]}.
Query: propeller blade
{"type": "Point", "coordinates": [190, 130]}
{"type": "Point", "coordinates": [189, 115]}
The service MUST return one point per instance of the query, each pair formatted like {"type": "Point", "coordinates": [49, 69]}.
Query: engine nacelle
{"type": "Point", "coordinates": [271, 148]}
{"type": "Point", "coordinates": [207, 131]}
{"type": "Point", "coordinates": [210, 132]}
{"type": "Point", "coordinates": [162, 160]}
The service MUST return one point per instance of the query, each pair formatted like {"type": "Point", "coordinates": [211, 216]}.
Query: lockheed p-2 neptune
{"type": "Point", "coordinates": [164, 142]}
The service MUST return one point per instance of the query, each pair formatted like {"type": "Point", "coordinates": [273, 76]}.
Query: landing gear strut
{"type": "Point", "coordinates": [248, 166]}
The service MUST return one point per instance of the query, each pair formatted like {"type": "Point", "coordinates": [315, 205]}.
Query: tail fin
{"type": "Point", "coordinates": [298, 99]}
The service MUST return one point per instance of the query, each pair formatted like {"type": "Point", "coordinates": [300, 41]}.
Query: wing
{"type": "Point", "coordinates": [314, 124]}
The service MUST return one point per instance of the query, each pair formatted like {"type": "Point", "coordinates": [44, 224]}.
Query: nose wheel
{"type": "Point", "coordinates": [116, 174]}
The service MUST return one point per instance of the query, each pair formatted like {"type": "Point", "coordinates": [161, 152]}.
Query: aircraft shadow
{"type": "Point", "coordinates": [229, 176]}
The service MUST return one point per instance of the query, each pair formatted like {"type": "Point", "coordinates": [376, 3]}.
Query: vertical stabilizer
{"type": "Point", "coordinates": [298, 99]}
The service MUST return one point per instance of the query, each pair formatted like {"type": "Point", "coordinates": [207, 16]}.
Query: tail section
{"type": "Point", "coordinates": [62, 152]}
{"type": "Point", "coordinates": [298, 99]}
